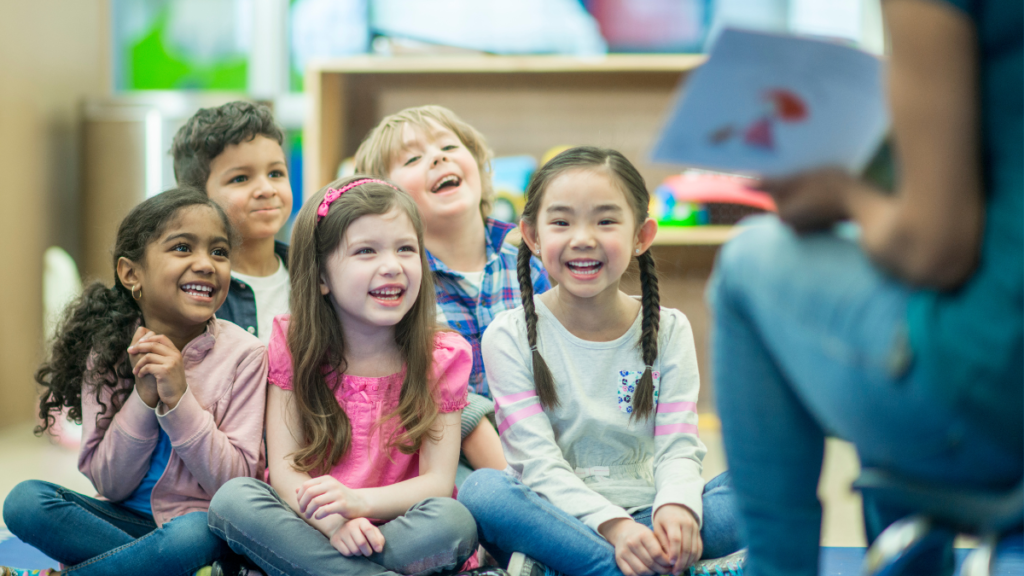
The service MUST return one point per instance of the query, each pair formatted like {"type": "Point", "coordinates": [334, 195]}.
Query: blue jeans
{"type": "Point", "coordinates": [809, 339]}
{"type": "Point", "coordinates": [95, 537]}
{"type": "Point", "coordinates": [435, 535]}
{"type": "Point", "coordinates": [512, 518]}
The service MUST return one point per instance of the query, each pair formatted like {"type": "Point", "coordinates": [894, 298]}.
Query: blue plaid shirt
{"type": "Point", "coordinates": [468, 313]}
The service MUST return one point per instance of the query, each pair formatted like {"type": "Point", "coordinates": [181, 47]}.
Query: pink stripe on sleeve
{"type": "Point", "coordinates": [519, 415]}
{"type": "Point", "coordinates": [677, 407]}
{"type": "Point", "coordinates": [509, 399]}
{"type": "Point", "coordinates": [675, 429]}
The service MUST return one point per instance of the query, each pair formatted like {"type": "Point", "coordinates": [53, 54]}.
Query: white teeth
{"type": "Point", "coordinates": [387, 292]}
{"type": "Point", "coordinates": [198, 288]}
{"type": "Point", "coordinates": [449, 179]}
{"type": "Point", "coordinates": [585, 267]}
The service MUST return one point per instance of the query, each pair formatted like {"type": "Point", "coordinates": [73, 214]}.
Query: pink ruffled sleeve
{"type": "Point", "coordinates": [279, 357]}
{"type": "Point", "coordinates": [453, 361]}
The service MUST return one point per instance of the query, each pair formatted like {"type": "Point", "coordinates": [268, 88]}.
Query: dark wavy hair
{"type": "Point", "coordinates": [316, 338]}
{"type": "Point", "coordinates": [205, 135]}
{"type": "Point", "coordinates": [632, 183]}
{"type": "Point", "coordinates": [102, 321]}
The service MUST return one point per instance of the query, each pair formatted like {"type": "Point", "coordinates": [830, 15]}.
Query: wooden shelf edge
{"type": "Point", "coordinates": [507, 64]}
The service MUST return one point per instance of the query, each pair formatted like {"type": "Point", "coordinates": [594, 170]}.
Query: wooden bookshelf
{"type": "Point", "coordinates": [522, 105]}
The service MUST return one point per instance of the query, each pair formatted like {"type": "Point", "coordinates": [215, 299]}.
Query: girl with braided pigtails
{"type": "Point", "coordinates": [595, 396]}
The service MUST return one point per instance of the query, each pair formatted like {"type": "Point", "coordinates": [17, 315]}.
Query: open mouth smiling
{"type": "Point", "coordinates": [449, 181]}
{"type": "Point", "coordinates": [584, 267]}
{"type": "Point", "coordinates": [388, 294]}
{"type": "Point", "coordinates": [199, 290]}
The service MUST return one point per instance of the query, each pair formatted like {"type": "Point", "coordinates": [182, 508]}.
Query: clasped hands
{"type": "Point", "coordinates": [320, 497]}
{"type": "Point", "coordinates": [671, 547]}
{"type": "Point", "coordinates": [156, 364]}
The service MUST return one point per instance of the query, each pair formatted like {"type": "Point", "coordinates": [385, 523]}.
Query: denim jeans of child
{"type": "Point", "coordinates": [94, 537]}
{"type": "Point", "coordinates": [511, 518]}
{"type": "Point", "coordinates": [435, 535]}
{"type": "Point", "coordinates": [810, 339]}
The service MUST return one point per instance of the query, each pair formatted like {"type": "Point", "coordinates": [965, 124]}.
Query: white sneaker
{"type": "Point", "coordinates": [730, 564]}
{"type": "Point", "coordinates": [522, 565]}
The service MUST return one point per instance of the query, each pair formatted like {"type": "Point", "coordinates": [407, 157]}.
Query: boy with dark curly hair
{"type": "Point", "coordinates": [233, 152]}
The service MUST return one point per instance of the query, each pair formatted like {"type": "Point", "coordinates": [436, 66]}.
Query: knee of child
{"type": "Point", "coordinates": [234, 498]}
{"type": "Point", "coordinates": [456, 518]}
{"type": "Point", "coordinates": [23, 503]}
{"type": "Point", "coordinates": [477, 492]}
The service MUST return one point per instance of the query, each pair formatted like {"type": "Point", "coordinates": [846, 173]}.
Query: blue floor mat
{"type": "Point", "coordinates": [834, 561]}
{"type": "Point", "coordinates": [14, 552]}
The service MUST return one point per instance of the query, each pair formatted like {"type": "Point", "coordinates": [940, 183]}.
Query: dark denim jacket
{"type": "Point", "coordinates": [240, 305]}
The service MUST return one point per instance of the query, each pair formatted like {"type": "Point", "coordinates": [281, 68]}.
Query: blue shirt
{"type": "Point", "coordinates": [139, 501]}
{"type": "Point", "coordinates": [469, 313]}
{"type": "Point", "coordinates": [971, 340]}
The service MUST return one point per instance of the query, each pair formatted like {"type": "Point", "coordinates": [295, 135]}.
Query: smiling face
{"type": "Point", "coordinates": [374, 275]}
{"type": "Point", "coordinates": [439, 172]}
{"type": "Point", "coordinates": [586, 232]}
{"type": "Point", "coordinates": [185, 272]}
{"type": "Point", "coordinates": [250, 181]}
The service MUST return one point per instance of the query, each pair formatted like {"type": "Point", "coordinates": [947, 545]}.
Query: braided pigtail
{"type": "Point", "coordinates": [543, 381]}
{"type": "Point", "coordinates": [643, 400]}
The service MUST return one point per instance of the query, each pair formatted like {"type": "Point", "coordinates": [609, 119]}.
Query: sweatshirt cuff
{"type": "Point", "coordinates": [137, 419]}
{"type": "Point", "coordinates": [184, 421]}
{"type": "Point", "coordinates": [688, 492]}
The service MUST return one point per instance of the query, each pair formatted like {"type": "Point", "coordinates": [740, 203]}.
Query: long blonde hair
{"type": "Point", "coordinates": [382, 144]}
{"type": "Point", "coordinates": [316, 337]}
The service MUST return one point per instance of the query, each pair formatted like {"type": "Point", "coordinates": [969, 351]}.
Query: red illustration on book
{"type": "Point", "coordinates": [781, 105]}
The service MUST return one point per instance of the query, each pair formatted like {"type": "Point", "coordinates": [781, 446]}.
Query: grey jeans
{"type": "Point", "coordinates": [435, 535]}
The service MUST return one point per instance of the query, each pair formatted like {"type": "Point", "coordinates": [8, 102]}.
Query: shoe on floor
{"type": "Point", "coordinates": [522, 565]}
{"type": "Point", "coordinates": [732, 564]}
{"type": "Point", "coordinates": [483, 571]}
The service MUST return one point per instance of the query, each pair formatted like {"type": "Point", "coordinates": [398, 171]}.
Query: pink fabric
{"type": "Point", "coordinates": [512, 398]}
{"type": "Point", "coordinates": [677, 407]}
{"type": "Point", "coordinates": [216, 430]}
{"type": "Point", "coordinates": [675, 429]}
{"type": "Point", "coordinates": [519, 415]}
{"type": "Point", "coordinates": [366, 400]}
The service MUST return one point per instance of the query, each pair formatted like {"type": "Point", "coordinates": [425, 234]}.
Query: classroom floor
{"type": "Point", "coordinates": [23, 456]}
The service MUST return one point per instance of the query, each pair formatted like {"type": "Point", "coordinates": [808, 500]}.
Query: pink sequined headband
{"type": "Point", "coordinates": [335, 193]}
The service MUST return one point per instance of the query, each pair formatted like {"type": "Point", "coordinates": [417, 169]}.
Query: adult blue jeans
{"type": "Point", "coordinates": [435, 535]}
{"type": "Point", "coordinates": [95, 537]}
{"type": "Point", "coordinates": [511, 517]}
{"type": "Point", "coordinates": [809, 339]}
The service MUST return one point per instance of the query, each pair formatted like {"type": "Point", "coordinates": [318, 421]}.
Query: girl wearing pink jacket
{"type": "Point", "coordinates": [171, 402]}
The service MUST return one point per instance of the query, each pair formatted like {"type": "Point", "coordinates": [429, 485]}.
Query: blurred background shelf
{"type": "Point", "coordinates": [522, 104]}
{"type": "Point", "coordinates": [695, 235]}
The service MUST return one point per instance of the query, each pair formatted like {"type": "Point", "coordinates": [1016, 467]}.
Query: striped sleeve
{"type": "Point", "coordinates": [678, 451]}
{"type": "Point", "coordinates": [526, 433]}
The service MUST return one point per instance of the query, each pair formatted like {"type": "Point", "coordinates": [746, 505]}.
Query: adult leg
{"type": "Point", "coordinates": [809, 335]}
{"type": "Point", "coordinates": [68, 526]}
{"type": "Point", "coordinates": [512, 518]}
{"type": "Point", "coordinates": [179, 548]}
{"type": "Point", "coordinates": [256, 522]}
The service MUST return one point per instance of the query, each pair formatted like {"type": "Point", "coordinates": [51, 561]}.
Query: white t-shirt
{"type": "Point", "coordinates": [272, 293]}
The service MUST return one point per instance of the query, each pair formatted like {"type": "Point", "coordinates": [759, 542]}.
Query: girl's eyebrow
{"type": "Point", "coordinates": [567, 209]}
{"type": "Point", "coordinates": [193, 238]}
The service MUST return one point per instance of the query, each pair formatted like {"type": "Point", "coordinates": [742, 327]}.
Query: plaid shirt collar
{"type": "Point", "coordinates": [495, 232]}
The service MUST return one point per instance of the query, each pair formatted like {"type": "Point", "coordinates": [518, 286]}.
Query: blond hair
{"type": "Point", "coordinates": [380, 147]}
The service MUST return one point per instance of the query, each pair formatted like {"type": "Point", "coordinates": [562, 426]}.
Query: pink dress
{"type": "Point", "coordinates": [367, 400]}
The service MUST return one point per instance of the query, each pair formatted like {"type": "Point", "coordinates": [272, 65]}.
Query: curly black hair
{"type": "Point", "coordinates": [100, 323]}
{"type": "Point", "coordinates": [205, 135]}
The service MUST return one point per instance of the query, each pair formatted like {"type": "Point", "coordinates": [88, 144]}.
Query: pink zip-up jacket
{"type": "Point", "coordinates": [216, 430]}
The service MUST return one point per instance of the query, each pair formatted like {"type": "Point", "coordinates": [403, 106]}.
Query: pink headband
{"type": "Point", "coordinates": [335, 193]}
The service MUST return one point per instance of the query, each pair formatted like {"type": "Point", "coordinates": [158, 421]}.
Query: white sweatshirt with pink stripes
{"type": "Point", "coordinates": [586, 456]}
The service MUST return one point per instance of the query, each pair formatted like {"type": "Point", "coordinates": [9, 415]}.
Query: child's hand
{"type": "Point", "coordinates": [322, 496]}
{"type": "Point", "coordinates": [676, 528]}
{"type": "Point", "coordinates": [358, 536]}
{"type": "Point", "coordinates": [146, 385]}
{"type": "Point", "coordinates": [157, 357]}
{"type": "Point", "coordinates": [637, 550]}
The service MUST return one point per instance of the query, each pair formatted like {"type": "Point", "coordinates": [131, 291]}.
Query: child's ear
{"type": "Point", "coordinates": [128, 272]}
{"type": "Point", "coordinates": [324, 290]}
{"type": "Point", "coordinates": [529, 234]}
{"type": "Point", "coordinates": [645, 235]}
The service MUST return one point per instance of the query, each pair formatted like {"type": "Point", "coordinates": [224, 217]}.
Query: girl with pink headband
{"type": "Point", "coordinates": [364, 409]}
